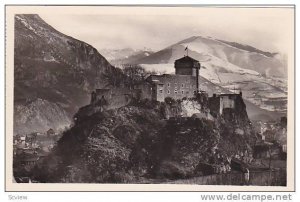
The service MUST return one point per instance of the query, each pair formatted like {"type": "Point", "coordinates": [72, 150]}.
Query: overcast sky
{"type": "Point", "coordinates": [265, 28]}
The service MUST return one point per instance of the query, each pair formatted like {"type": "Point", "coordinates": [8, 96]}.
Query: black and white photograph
{"type": "Point", "coordinates": [150, 95]}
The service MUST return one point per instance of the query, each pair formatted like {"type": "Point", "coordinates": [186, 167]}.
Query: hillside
{"type": "Point", "coordinates": [205, 49]}
{"type": "Point", "coordinates": [55, 68]}
{"type": "Point", "coordinates": [136, 144]}
{"type": "Point", "coordinates": [40, 115]}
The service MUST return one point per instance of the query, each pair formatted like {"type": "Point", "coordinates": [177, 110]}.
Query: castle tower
{"type": "Point", "coordinates": [188, 66]}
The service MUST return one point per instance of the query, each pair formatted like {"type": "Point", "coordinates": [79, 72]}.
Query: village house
{"type": "Point", "coordinates": [50, 132]}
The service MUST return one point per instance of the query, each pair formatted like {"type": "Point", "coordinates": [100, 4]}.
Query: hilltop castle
{"type": "Point", "coordinates": [183, 84]}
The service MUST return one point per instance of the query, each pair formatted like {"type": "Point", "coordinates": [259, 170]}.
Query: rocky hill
{"type": "Point", "coordinates": [137, 144]}
{"type": "Point", "coordinates": [54, 69]}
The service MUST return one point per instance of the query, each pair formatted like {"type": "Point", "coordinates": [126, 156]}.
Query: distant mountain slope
{"type": "Point", "coordinates": [119, 57]}
{"type": "Point", "coordinates": [248, 48]}
{"type": "Point", "coordinates": [257, 114]}
{"type": "Point", "coordinates": [114, 54]}
{"type": "Point", "coordinates": [205, 49]}
{"type": "Point", "coordinates": [54, 68]}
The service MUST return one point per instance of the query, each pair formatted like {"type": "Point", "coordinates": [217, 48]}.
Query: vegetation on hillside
{"type": "Point", "coordinates": [135, 144]}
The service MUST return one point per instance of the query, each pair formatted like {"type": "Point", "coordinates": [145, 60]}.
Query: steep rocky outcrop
{"type": "Point", "coordinates": [137, 144]}
{"type": "Point", "coordinates": [55, 68]}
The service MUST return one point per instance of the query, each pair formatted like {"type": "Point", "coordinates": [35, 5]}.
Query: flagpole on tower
{"type": "Point", "coordinates": [187, 51]}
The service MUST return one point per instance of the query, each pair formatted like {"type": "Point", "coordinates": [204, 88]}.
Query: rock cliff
{"type": "Point", "coordinates": [53, 67]}
{"type": "Point", "coordinates": [136, 143]}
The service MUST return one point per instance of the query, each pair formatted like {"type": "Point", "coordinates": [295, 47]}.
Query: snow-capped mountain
{"type": "Point", "coordinates": [113, 54]}
{"type": "Point", "coordinates": [260, 75]}
{"type": "Point", "coordinates": [118, 57]}
{"type": "Point", "coordinates": [205, 49]}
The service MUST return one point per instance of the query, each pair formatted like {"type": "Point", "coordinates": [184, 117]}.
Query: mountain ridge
{"type": "Point", "coordinates": [244, 56]}
{"type": "Point", "coordinates": [54, 67]}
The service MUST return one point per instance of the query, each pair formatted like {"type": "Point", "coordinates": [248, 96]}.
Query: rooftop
{"type": "Point", "coordinates": [186, 59]}
{"type": "Point", "coordinates": [228, 94]}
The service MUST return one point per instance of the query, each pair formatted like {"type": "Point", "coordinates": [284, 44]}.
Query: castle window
{"type": "Point", "coordinates": [160, 91]}
{"type": "Point", "coordinates": [182, 92]}
{"type": "Point", "coordinates": [168, 91]}
{"type": "Point", "coordinates": [175, 91]}
{"type": "Point", "coordinates": [169, 84]}
{"type": "Point", "coordinates": [182, 85]}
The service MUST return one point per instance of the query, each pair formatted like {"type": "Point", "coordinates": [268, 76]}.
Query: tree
{"type": "Point", "coordinates": [115, 77]}
{"type": "Point", "coordinates": [134, 74]}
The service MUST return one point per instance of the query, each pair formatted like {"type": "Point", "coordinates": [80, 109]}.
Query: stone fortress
{"type": "Point", "coordinates": [183, 84]}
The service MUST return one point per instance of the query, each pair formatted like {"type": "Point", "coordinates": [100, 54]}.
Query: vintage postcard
{"type": "Point", "coordinates": [150, 98]}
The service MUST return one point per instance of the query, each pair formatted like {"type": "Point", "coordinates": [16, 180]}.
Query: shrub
{"type": "Point", "coordinates": [170, 101]}
{"type": "Point", "coordinates": [172, 170]}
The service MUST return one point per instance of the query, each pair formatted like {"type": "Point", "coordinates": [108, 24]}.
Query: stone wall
{"type": "Point", "coordinates": [116, 97]}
